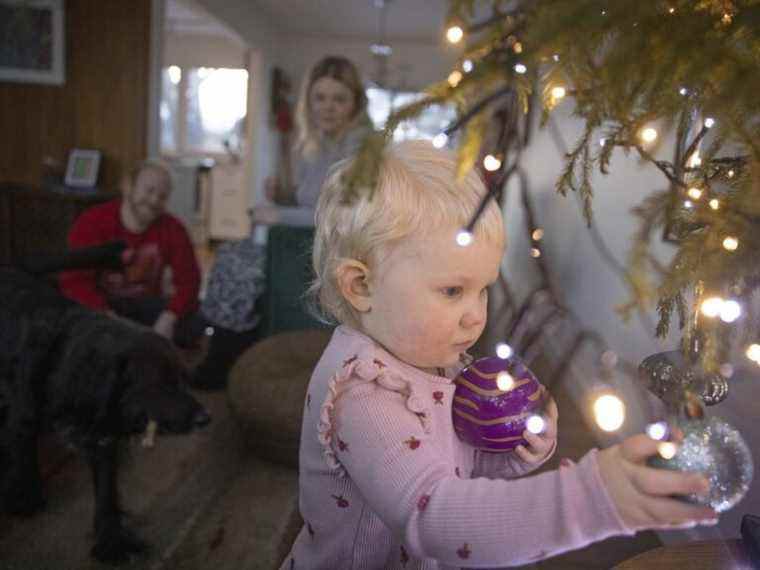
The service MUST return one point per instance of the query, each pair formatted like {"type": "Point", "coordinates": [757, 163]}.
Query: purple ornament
{"type": "Point", "coordinates": [488, 416]}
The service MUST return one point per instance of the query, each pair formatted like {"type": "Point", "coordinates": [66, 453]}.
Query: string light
{"type": "Point", "coordinates": [503, 350]}
{"type": "Point", "coordinates": [440, 140]}
{"type": "Point", "coordinates": [535, 424]}
{"type": "Point", "coordinates": [688, 204]}
{"type": "Point", "coordinates": [558, 92]}
{"type": "Point", "coordinates": [657, 430]}
{"type": "Point", "coordinates": [555, 57]}
{"type": "Point", "coordinates": [753, 352]}
{"type": "Point", "coordinates": [602, 141]}
{"type": "Point", "coordinates": [671, 10]}
{"type": "Point", "coordinates": [730, 310]}
{"type": "Point", "coordinates": [648, 135]}
{"type": "Point", "coordinates": [683, 91]}
{"type": "Point", "coordinates": [727, 18]}
{"type": "Point", "coordinates": [520, 68]}
{"type": "Point", "coordinates": [695, 160]}
{"type": "Point", "coordinates": [467, 65]}
{"type": "Point", "coordinates": [711, 306]}
{"type": "Point", "coordinates": [535, 253]}
{"type": "Point", "coordinates": [464, 238]}
{"type": "Point", "coordinates": [714, 204]}
{"type": "Point", "coordinates": [730, 243]}
{"type": "Point", "coordinates": [491, 163]}
{"type": "Point", "coordinates": [695, 193]}
{"type": "Point", "coordinates": [731, 173]}
{"type": "Point", "coordinates": [504, 381]}
{"type": "Point", "coordinates": [454, 34]}
{"type": "Point", "coordinates": [609, 412]}
{"type": "Point", "coordinates": [667, 449]}
{"type": "Point", "coordinates": [537, 234]}
{"type": "Point", "coordinates": [455, 77]}
{"type": "Point", "coordinates": [517, 47]}
{"type": "Point", "coordinates": [709, 122]}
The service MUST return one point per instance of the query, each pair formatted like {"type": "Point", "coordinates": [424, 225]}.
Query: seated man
{"type": "Point", "coordinates": [155, 241]}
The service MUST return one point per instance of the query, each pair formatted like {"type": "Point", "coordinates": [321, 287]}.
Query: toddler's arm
{"type": "Point", "coordinates": [408, 479]}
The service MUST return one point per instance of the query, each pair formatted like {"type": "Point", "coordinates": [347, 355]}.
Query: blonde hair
{"type": "Point", "coordinates": [416, 191]}
{"type": "Point", "coordinates": [342, 70]}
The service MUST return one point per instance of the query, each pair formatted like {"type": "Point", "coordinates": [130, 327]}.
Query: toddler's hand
{"type": "Point", "coordinates": [642, 494]}
{"type": "Point", "coordinates": [541, 445]}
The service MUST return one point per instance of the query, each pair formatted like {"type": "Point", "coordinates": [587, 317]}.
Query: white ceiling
{"type": "Point", "coordinates": [404, 20]}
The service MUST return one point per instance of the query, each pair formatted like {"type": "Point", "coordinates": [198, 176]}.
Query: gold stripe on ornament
{"type": "Point", "coordinates": [484, 392]}
{"type": "Point", "coordinates": [466, 402]}
{"type": "Point", "coordinates": [501, 420]}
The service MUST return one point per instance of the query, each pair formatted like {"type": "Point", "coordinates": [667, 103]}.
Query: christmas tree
{"type": "Point", "coordinates": [635, 71]}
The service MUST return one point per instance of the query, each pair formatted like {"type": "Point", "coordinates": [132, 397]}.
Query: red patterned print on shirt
{"type": "Point", "coordinates": [423, 501]}
{"type": "Point", "coordinates": [342, 445]}
{"type": "Point", "coordinates": [340, 501]}
{"type": "Point", "coordinates": [438, 398]}
{"type": "Point", "coordinates": [413, 443]}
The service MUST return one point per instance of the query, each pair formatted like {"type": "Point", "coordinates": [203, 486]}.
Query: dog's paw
{"type": "Point", "coordinates": [23, 500]}
{"type": "Point", "coordinates": [118, 545]}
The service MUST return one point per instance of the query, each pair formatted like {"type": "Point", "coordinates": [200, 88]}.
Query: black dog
{"type": "Point", "coordinates": [92, 377]}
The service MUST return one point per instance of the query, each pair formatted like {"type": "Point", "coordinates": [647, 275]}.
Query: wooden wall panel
{"type": "Point", "coordinates": [102, 105]}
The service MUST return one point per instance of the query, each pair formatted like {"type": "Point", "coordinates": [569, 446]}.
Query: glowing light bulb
{"type": "Point", "coordinates": [491, 163]}
{"type": "Point", "coordinates": [695, 160]}
{"type": "Point", "coordinates": [688, 204]}
{"type": "Point", "coordinates": [520, 68]}
{"type": "Point", "coordinates": [709, 122]}
{"type": "Point", "coordinates": [517, 47]}
{"type": "Point", "coordinates": [504, 381]}
{"type": "Point", "coordinates": [667, 449]}
{"type": "Point", "coordinates": [609, 412]}
{"type": "Point", "coordinates": [535, 253]}
{"type": "Point", "coordinates": [455, 77]}
{"type": "Point", "coordinates": [731, 173]}
{"type": "Point", "coordinates": [209, 331]}
{"type": "Point", "coordinates": [730, 243]}
{"type": "Point", "coordinates": [657, 430]}
{"type": "Point", "coordinates": [537, 234]}
{"type": "Point", "coordinates": [730, 311]}
{"type": "Point", "coordinates": [602, 141]}
{"type": "Point", "coordinates": [503, 350]}
{"type": "Point", "coordinates": [440, 140]}
{"type": "Point", "coordinates": [175, 74]}
{"type": "Point", "coordinates": [454, 34]}
{"type": "Point", "coordinates": [464, 238]}
{"type": "Point", "coordinates": [711, 306]}
{"type": "Point", "coordinates": [714, 204]}
{"type": "Point", "coordinates": [727, 18]}
{"type": "Point", "coordinates": [555, 57]}
{"type": "Point", "coordinates": [753, 352]}
{"type": "Point", "coordinates": [648, 135]}
{"type": "Point", "coordinates": [683, 91]}
{"type": "Point", "coordinates": [695, 193]}
{"type": "Point", "coordinates": [467, 65]}
{"type": "Point", "coordinates": [671, 10]}
{"type": "Point", "coordinates": [535, 424]}
{"type": "Point", "coordinates": [558, 92]}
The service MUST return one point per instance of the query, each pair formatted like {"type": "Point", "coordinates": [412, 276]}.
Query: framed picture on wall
{"type": "Point", "coordinates": [32, 46]}
{"type": "Point", "coordinates": [82, 168]}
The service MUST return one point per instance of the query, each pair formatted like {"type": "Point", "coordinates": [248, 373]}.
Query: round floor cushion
{"type": "Point", "coordinates": [267, 390]}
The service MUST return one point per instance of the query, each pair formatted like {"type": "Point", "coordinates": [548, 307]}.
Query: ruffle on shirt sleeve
{"type": "Point", "coordinates": [360, 371]}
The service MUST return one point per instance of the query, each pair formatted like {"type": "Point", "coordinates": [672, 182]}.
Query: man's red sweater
{"type": "Point", "coordinates": [164, 244]}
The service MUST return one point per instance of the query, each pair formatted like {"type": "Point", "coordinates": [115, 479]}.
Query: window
{"type": "Point", "coordinates": [203, 109]}
{"type": "Point", "coordinates": [428, 124]}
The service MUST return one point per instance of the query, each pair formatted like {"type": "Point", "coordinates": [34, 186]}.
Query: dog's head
{"type": "Point", "coordinates": [155, 389]}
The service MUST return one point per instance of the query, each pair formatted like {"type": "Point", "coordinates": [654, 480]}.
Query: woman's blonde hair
{"type": "Point", "coordinates": [417, 190]}
{"type": "Point", "coordinates": [342, 70]}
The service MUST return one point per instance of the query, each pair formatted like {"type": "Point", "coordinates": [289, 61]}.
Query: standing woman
{"type": "Point", "coordinates": [332, 121]}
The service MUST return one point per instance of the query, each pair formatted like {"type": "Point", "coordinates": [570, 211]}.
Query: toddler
{"type": "Point", "coordinates": [384, 480]}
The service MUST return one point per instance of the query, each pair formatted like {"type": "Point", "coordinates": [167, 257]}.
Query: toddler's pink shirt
{"type": "Point", "coordinates": [386, 483]}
